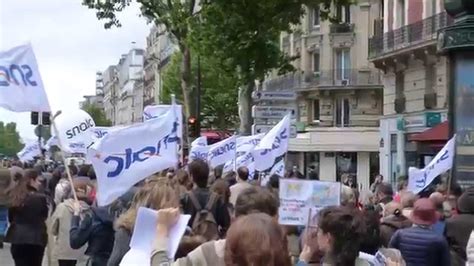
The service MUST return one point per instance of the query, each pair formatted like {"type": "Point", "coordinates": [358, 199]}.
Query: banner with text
{"type": "Point", "coordinates": [297, 197]}
{"type": "Point", "coordinates": [419, 179]}
{"type": "Point", "coordinates": [21, 87]}
{"type": "Point", "coordinates": [222, 152]}
{"type": "Point", "coordinates": [126, 156]}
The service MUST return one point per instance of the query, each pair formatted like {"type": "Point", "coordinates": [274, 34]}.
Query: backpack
{"type": "Point", "coordinates": [204, 223]}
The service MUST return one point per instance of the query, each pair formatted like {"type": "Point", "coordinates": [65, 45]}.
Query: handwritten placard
{"type": "Point", "coordinates": [297, 197]}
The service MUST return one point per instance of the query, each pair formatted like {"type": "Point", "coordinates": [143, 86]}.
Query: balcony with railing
{"type": "Point", "coordinates": [418, 34]}
{"type": "Point", "coordinates": [325, 79]}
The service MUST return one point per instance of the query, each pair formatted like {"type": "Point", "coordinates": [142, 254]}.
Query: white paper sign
{"type": "Point", "coordinates": [128, 155]}
{"type": "Point", "coordinates": [21, 87]}
{"type": "Point", "coordinates": [298, 196]}
{"type": "Point", "coordinates": [419, 179]}
{"type": "Point", "coordinates": [222, 152]}
{"type": "Point", "coordinates": [144, 233]}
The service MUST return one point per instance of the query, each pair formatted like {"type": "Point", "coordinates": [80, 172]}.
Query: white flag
{"type": "Point", "coordinates": [21, 87]}
{"type": "Point", "coordinates": [248, 143]}
{"type": "Point", "coordinates": [273, 145]}
{"type": "Point", "coordinates": [278, 169]}
{"type": "Point", "coordinates": [52, 141]}
{"type": "Point", "coordinates": [154, 111]}
{"type": "Point", "coordinates": [76, 147]}
{"type": "Point", "coordinates": [198, 152]}
{"type": "Point", "coordinates": [128, 155]}
{"type": "Point", "coordinates": [201, 141]}
{"type": "Point", "coordinates": [419, 179]}
{"type": "Point", "coordinates": [30, 150]}
{"type": "Point", "coordinates": [222, 152]}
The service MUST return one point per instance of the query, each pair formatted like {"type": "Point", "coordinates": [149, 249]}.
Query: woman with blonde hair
{"type": "Point", "coordinates": [157, 194]}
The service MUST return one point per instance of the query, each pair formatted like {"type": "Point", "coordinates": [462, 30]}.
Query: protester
{"type": "Point", "coordinates": [340, 231]}
{"type": "Point", "coordinates": [378, 180]}
{"type": "Point", "coordinates": [383, 195]}
{"type": "Point", "coordinates": [437, 198]}
{"type": "Point", "coordinates": [256, 239]}
{"type": "Point", "coordinates": [274, 184]}
{"type": "Point", "coordinates": [95, 229]}
{"type": "Point", "coordinates": [242, 184]}
{"type": "Point", "coordinates": [155, 195]}
{"type": "Point", "coordinates": [221, 188]}
{"type": "Point", "coordinates": [348, 197]}
{"type": "Point", "coordinates": [392, 221]}
{"type": "Point", "coordinates": [459, 227]}
{"type": "Point", "coordinates": [370, 241]}
{"type": "Point", "coordinates": [61, 225]}
{"type": "Point", "coordinates": [83, 173]}
{"type": "Point", "coordinates": [5, 185]}
{"type": "Point", "coordinates": [27, 216]}
{"type": "Point", "coordinates": [419, 244]}
{"type": "Point", "coordinates": [209, 215]}
{"type": "Point", "coordinates": [401, 188]}
{"type": "Point", "coordinates": [63, 187]}
{"type": "Point", "coordinates": [407, 199]}
{"type": "Point", "coordinates": [252, 200]}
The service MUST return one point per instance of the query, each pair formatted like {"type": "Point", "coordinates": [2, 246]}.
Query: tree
{"type": "Point", "coordinates": [97, 114]}
{"type": "Point", "coordinates": [218, 92]}
{"type": "Point", "coordinates": [174, 15]}
{"type": "Point", "coordinates": [244, 36]}
{"type": "Point", "coordinates": [10, 143]}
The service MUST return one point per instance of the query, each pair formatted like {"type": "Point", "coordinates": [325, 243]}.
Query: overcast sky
{"type": "Point", "coordinates": [70, 45]}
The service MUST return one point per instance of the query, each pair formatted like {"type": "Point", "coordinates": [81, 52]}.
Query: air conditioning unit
{"type": "Point", "coordinates": [344, 82]}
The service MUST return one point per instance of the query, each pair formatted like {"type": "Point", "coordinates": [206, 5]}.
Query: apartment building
{"type": "Point", "coordinates": [339, 94]}
{"type": "Point", "coordinates": [98, 98]}
{"type": "Point", "coordinates": [110, 80]}
{"type": "Point", "coordinates": [403, 46]}
{"type": "Point", "coordinates": [158, 54]}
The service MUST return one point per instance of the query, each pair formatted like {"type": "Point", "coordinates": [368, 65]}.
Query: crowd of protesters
{"type": "Point", "coordinates": [234, 220]}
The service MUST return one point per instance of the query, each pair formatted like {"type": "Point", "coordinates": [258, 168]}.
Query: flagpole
{"type": "Point", "coordinates": [179, 151]}
{"type": "Point", "coordinates": [61, 154]}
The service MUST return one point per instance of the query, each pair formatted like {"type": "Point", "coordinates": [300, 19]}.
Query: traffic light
{"type": "Point", "coordinates": [44, 118]}
{"type": "Point", "coordinates": [193, 127]}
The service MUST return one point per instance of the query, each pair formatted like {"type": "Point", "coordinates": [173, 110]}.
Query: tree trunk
{"type": "Point", "coordinates": [186, 86]}
{"type": "Point", "coordinates": [245, 107]}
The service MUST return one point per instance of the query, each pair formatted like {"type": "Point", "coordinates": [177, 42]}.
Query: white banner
{"type": "Point", "coordinates": [419, 179]}
{"type": "Point", "coordinates": [201, 141]}
{"type": "Point", "coordinates": [222, 152]}
{"type": "Point", "coordinates": [198, 152]}
{"type": "Point", "coordinates": [154, 111]}
{"type": "Point", "coordinates": [21, 87]}
{"type": "Point", "coordinates": [128, 155]}
{"type": "Point", "coordinates": [272, 145]}
{"type": "Point", "coordinates": [278, 169]}
{"type": "Point", "coordinates": [248, 143]}
{"type": "Point", "coordinates": [30, 150]}
{"type": "Point", "coordinates": [52, 141]}
{"type": "Point", "coordinates": [76, 147]}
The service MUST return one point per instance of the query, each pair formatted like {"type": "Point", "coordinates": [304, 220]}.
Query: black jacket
{"type": "Point", "coordinates": [96, 229]}
{"type": "Point", "coordinates": [458, 228]}
{"type": "Point", "coordinates": [421, 247]}
{"type": "Point", "coordinates": [390, 225]}
{"type": "Point", "coordinates": [220, 211]}
{"type": "Point", "coordinates": [121, 246]}
{"type": "Point", "coordinates": [28, 221]}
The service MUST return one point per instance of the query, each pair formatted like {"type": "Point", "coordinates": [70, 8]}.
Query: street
{"type": "Point", "coordinates": [6, 257]}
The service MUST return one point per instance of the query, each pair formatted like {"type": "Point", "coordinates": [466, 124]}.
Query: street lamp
{"type": "Point", "coordinates": [457, 42]}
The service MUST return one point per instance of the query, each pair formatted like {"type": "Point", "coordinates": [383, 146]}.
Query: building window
{"type": "Point", "coordinates": [342, 112]}
{"type": "Point", "coordinates": [343, 14]}
{"type": "Point", "coordinates": [315, 62]}
{"type": "Point", "coordinates": [343, 64]}
{"type": "Point", "coordinates": [399, 85]}
{"type": "Point", "coordinates": [346, 166]}
{"type": "Point", "coordinates": [316, 18]}
{"type": "Point", "coordinates": [401, 20]}
{"type": "Point", "coordinates": [311, 160]}
{"type": "Point", "coordinates": [316, 110]}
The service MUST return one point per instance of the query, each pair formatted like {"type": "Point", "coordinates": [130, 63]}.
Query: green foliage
{"type": "Point", "coordinates": [98, 115]}
{"type": "Point", "coordinates": [10, 143]}
{"type": "Point", "coordinates": [218, 92]}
